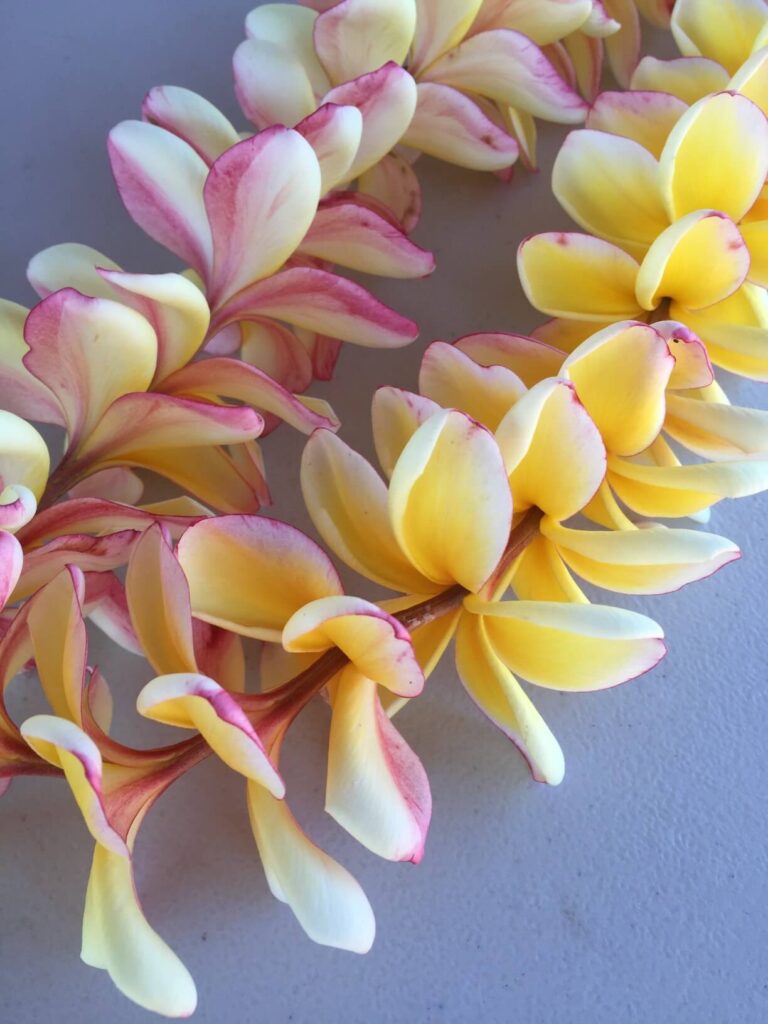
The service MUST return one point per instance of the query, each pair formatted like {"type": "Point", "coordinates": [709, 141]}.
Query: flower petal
{"type": "Point", "coordinates": [352, 235]}
{"type": "Point", "coordinates": [271, 84]}
{"type": "Point", "coordinates": [260, 197]}
{"type": "Point", "coordinates": [620, 375]}
{"type": "Point", "coordinates": [691, 181]}
{"type": "Point", "coordinates": [539, 574]}
{"type": "Point", "coordinates": [643, 116]}
{"type": "Point", "coordinates": [609, 186]}
{"type": "Point", "coordinates": [570, 646]}
{"type": "Point", "coordinates": [329, 904]}
{"type": "Point", "coordinates": [93, 333]}
{"type": "Point", "coordinates": [506, 66]}
{"type": "Point", "coordinates": [528, 358]}
{"type": "Point", "coordinates": [692, 366]}
{"type": "Point", "coordinates": [735, 331]}
{"type": "Point", "coordinates": [250, 574]}
{"type": "Point", "coordinates": [357, 36]}
{"type": "Point", "coordinates": [192, 701]}
{"type": "Point", "coordinates": [697, 261]}
{"type": "Point", "coordinates": [440, 26]}
{"type": "Point", "coordinates": [543, 21]}
{"type": "Point", "coordinates": [347, 502]}
{"type": "Point", "coordinates": [20, 391]}
{"type": "Point", "coordinates": [653, 560]}
{"type": "Point", "coordinates": [499, 695]}
{"type": "Point", "coordinates": [751, 79]}
{"type": "Point", "coordinates": [160, 179]}
{"type": "Point", "coordinates": [377, 788]}
{"type": "Point", "coordinates": [552, 450]}
{"type": "Point", "coordinates": [454, 380]}
{"type": "Point", "coordinates": [374, 641]}
{"type": "Point", "coordinates": [320, 301]}
{"type": "Point", "coordinates": [449, 501]}
{"type": "Point", "coordinates": [387, 99]}
{"type": "Point", "coordinates": [394, 183]}
{"type": "Point", "coordinates": [716, 430]}
{"type": "Point", "coordinates": [577, 276]}
{"type": "Point", "coordinates": [335, 133]}
{"type": "Point", "coordinates": [290, 27]}
{"type": "Point", "coordinates": [396, 416]}
{"type": "Point", "coordinates": [449, 126]}
{"type": "Point", "coordinates": [70, 265]}
{"type": "Point", "coordinates": [687, 78]}
{"type": "Point", "coordinates": [24, 458]}
{"type": "Point", "coordinates": [11, 558]}
{"type": "Point", "coordinates": [158, 600]}
{"type": "Point", "coordinates": [192, 117]}
{"type": "Point", "coordinates": [725, 34]}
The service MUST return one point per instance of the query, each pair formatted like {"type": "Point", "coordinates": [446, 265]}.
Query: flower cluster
{"type": "Point", "coordinates": [520, 484]}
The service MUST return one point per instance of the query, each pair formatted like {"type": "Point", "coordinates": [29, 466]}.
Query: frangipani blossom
{"type": "Point", "coordinates": [673, 242]}
{"type": "Point", "coordinates": [442, 528]}
{"type": "Point", "coordinates": [477, 76]}
{"type": "Point", "coordinates": [240, 224]}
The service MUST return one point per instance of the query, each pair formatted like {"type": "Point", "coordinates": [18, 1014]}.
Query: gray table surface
{"type": "Point", "coordinates": [635, 893]}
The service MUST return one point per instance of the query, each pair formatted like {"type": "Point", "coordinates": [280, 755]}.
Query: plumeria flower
{"type": "Point", "coordinates": [476, 78]}
{"type": "Point", "coordinates": [249, 227]}
{"type": "Point", "coordinates": [660, 388]}
{"type": "Point", "coordinates": [263, 579]}
{"type": "Point", "coordinates": [442, 532]}
{"type": "Point", "coordinates": [671, 242]}
{"type": "Point", "coordinates": [113, 785]}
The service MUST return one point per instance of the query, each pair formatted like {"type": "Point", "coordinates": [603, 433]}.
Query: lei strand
{"type": "Point", "coordinates": [610, 411]}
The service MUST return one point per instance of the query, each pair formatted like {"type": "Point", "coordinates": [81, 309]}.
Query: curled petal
{"type": "Point", "coordinates": [570, 646]}
{"type": "Point", "coordinates": [377, 788]}
{"type": "Point", "coordinates": [276, 351]}
{"type": "Point", "coordinates": [250, 574]}
{"type": "Point", "coordinates": [716, 430]}
{"type": "Point", "coordinates": [735, 331]}
{"type": "Point", "coordinates": [396, 416]}
{"type": "Point", "coordinates": [454, 380]}
{"type": "Point", "coordinates": [192, 701]}
{"type": "Point", "coordinates": [499, 695]}
{"type": "Point", "coordinates": [576, 276]}
{"type": "Point", "coordinates": [450, 539]}
{"type": "Point", "coordinates": [697, 261]}
{"type": "Point", "coordinates": [733, 183]}
{"type": "Point", "coordinates": [357, 36]}
{"type": "Point", "coordinates": [329, 904]}
{"type": "Point", "coordinates": [93, 333]}
{"type": "Point", "coordinates": [653, 560]}
{"type": "Point", "coordinates": [387, 100]}
{"type": "Point", "coordinates": [506, 66]}
{"type": "Point", "coordinates": [552, 450]}
{"type": "Point", "coordinates": [347, 501]}
{"type": "Point", "coordinates": [70, 265]}
{"type": "Point", "coordinates": [320, 301]}
{"type": "Point", "coordinates": [192, 117]}
{"type": "Point", "coordinates": [692, 366]}
{"type": "Point", "coordinates": [450, 126]}
{"type": "Point", "coordinates": [334, 132]}
{"type": "Point", "coordinates": [351, 235]}
{"type": "Point", "coordinates": [528, 358]}
{"type": "Point", "coordinates": [89, 554]}
{"type": "Point", "coordinates": [375, 642]}
{"type": "Point", "coordinates": [160, 179]}
{"type": "Point", "coordinates": [621, 374]}
{"type": "Point", "coordinates": [17, 507]}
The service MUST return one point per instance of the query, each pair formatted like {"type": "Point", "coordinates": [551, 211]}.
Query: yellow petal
{"type": "Point", "coordinates": [539, 574]}
{"type": "Point", "coordinates": [686, 78]}
{"type": "Point", "coordinates": [716, 430]}
{"type": "Point", "coordinates": [374, 641]}
{"type": "Point", "coordinates": [579, 277]}
{"type": "Point", "coordinates": [377, 788]}
{"type": "Point", "coordinates": [347, 501]}
{"type": "Point", "coordinates": [552, 450]}
{"type": "Point", "coordinates": [250, 574]}
{"type": "Point", "coordinates": [396, 416]}
{"type": "Point", "coordinates": [698, 261]}
{"type": "Point", "coordinates": [570, 646]}
{"type": "Point", "coordinates": [755, 235]}
{"type": "Point", "coordinates": [24, 457]}
{"type": "Point", "coordinates": [449, 501]}
{"type": "Point", "coordinates": [723, 32]}
{"type": "Point", "coordinates": [528, 358]}
{"type": "Point", "coordinates": [327, 901]}
{"type": "Point", "coordinates": [735, 331]}
{"type": "Point", "coordinates": [620, 375]}
{"type": "Point", "coordinates": [358, 36]}
{"type": "Point", "coordinates": [654, 560]}
{"type": "Point", "coordinates": [454, 380]}
{"type": "Point", "coordinates": [646, 117]}
{"type": "Point", "coordinates": [751, 80]}
{"type": "Point", "coordinates": [690, 180]}
{"type": "Point", "coordinates": [609, 186]}
{"type": "Point", "coordinates": [496, 691]}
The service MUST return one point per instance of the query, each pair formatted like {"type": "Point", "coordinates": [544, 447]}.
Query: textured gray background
{"type": "Point", "coordinates": [633, 894]}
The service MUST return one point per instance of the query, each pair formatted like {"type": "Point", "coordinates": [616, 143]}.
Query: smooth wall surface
{"type": "Point", "coordinates": [635, 893]}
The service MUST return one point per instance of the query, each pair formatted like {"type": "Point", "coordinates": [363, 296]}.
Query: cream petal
{"type": "Point", "coordinates": [192, 117]}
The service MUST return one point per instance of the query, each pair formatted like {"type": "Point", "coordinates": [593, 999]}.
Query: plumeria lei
{"type": "Point", "coordinates": [610, 412]}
